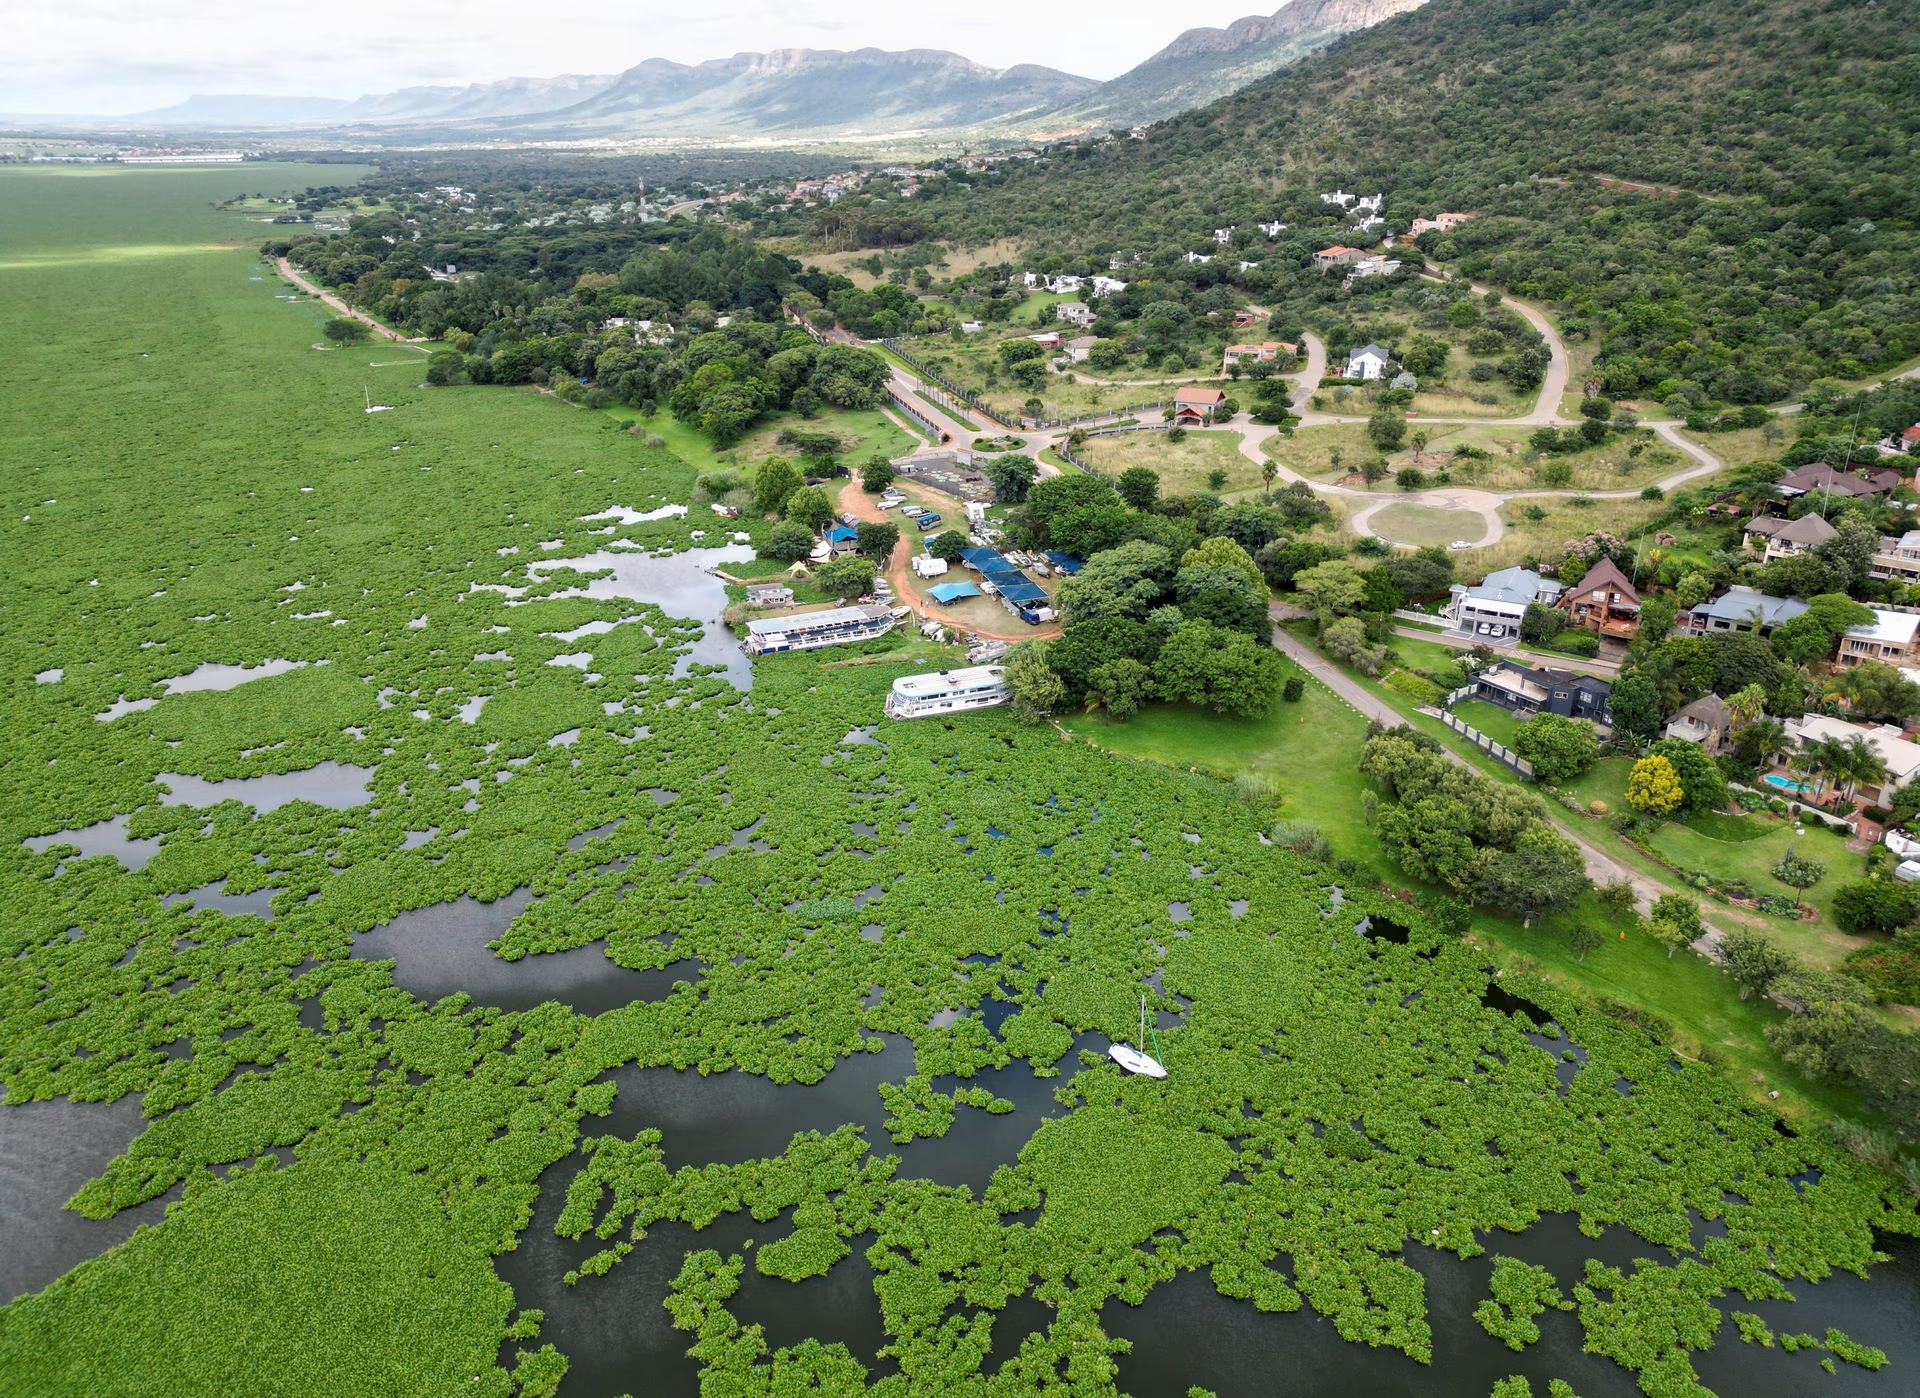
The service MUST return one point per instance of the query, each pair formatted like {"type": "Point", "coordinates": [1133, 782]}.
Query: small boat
{"type": "Point", "coordinates": [1138, 1060]}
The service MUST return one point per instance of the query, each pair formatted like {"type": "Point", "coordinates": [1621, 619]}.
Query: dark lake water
{"type": "Point", "coordinates": [679, 584]}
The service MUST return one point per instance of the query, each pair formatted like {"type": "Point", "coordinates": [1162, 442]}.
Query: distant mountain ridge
{"type": "Point", "coordinates": [792, 92]}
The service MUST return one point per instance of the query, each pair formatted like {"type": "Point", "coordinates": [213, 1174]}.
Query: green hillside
{"type": "Point", "coordinates": [1779, 249]}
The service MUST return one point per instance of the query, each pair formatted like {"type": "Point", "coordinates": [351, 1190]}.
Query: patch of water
{"type": "Point", "coordinates": [108, 837]}
{"type": "Point", "coordinates": [122, 706]}
{"type": "Point", "coordinates": [215, 896]}
{"type": "Point", "coordinates": [47, 1151]}
{"type": "Point", "coordinates": [623, 515]}
{"type": "Point", "coordinates": [338, 786]}
{"type": "Point", "coordinates": [53, 676]}
{"type": "Point", "coordinates": [212, 675]}
{"type": "Point", "coordinates": [442, 949]}
{"type": "Point", "coordinates": [469, 712]}
{"type": "Point", "coordinates": [680, 585]}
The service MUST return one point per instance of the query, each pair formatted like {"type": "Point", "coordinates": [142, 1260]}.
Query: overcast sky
{"type": "Point", "coordinates": [113, 56]}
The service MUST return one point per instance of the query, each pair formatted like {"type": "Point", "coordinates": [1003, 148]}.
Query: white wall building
{"type": "Point", "coordinates": [947, 692]}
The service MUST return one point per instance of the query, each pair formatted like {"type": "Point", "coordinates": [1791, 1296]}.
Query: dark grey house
{"type": "Point", "coordinates": [1545, 689]}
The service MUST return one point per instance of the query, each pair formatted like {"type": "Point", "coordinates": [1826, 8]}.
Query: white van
{"type": "Point", "coordinates": [1902, 844]}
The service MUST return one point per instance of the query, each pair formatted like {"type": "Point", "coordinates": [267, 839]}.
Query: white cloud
{"type": "Point", "coordinates": [114, 56]}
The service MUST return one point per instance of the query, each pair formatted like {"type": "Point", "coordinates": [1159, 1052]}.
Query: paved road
{"type": "Point", "coordinates": [1601, 867]}
{"type": "Point", "coordinates": [1530, 657]}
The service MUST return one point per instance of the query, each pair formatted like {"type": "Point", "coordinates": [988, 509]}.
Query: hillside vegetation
{"type": "Point", "coordinates": [1771, 243]}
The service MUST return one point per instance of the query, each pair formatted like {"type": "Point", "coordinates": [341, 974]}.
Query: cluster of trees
{"type": "Point", "coordinates": [1445, 824]}
{"type": "Point", "coordinates": [1354, 607]}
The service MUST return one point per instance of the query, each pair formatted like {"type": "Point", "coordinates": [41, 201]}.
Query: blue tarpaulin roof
{"type": "Point", "coordinates": [841, 534]}
{"type": "Point", "coordinates": [983, 558]}
{"type": "Point", "coordinates": [945, 593]}
{"type": "Point", "coordinates": [1023, 592]}
{"type": "Point", "coordinates": [1065, 562]}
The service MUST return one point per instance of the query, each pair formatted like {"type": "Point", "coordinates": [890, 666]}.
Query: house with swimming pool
{"type": "Point", "coordinates": [1900, 753]}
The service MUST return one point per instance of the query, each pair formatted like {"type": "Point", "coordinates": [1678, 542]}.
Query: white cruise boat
{"type": "Point", "coordinates": [947, 692]}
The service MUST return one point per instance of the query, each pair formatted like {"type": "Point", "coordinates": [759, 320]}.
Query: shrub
{"type": "Point", "coordinates": [1303, 838]}
{"type": "Point", "coordinates": [1295, 690]}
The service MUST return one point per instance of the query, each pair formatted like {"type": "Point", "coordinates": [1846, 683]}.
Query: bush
{"type": "Point", "coordinates": [1583, 643]}
{"type": "Point", "coordinates": [1303, 838]}
{"type": "Point", "coordinates": [1295, 690]}
{"type": "Point", "coordinates": [1415, 687]}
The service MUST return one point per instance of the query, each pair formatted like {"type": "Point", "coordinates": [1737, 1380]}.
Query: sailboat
{"type": "Point", "coordinates": [1138, 1060]}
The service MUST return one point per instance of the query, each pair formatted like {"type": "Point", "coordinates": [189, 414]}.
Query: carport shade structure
{"type": "Point", "coordinates": [1064, 562]}
{"type": "Point", "coordinates": [1022, 591]}
{"type": "Point", "coordinates": [947, 593]}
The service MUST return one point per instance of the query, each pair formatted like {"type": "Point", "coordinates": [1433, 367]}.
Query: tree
{"type": "Point", "coordinates": [1544, 871]}
{"type": "Point", "coordinates": [1387, 429]}
{"type": "Point", "coordinates": [1410, 478]}
{"type": "Point", "coordinates": [1269, 473]}
{"type": "Point", "coordinates": [1120, 687]}
{"type": "Point", "coordinates": [809, 506]}
{"type": "Point", "coordinates": [1332, 589]}
{"type": "Point", "coordinates": [345, 330]}
{"type": "Point", "coordinates": [1034, 691]}
{"type": "Point", "coordinates": [1012, 477]}
{"type": "Point", "coordinates": [1654, 787]}
{"type": "Point", "coordinates": [1876, 905]}
{"type": "Point", "coordinates": [1139, 486]}
{"type": "Point", "coordinates": [1617, 897]}
{"type": "Point", "coordinates": [1432, 839]}
{"type": "Point", "coordinates": [789, 540]}
{"type": "Point", "coordinates": [1752, 960]}
{"type": "Point", "coordinates": [1675, 920]}
{"type": "Point", "coordinates": [1798, 872]}
{"type": "Point", "coordinates": [1636, 710]}
{"type": "Point", "coordinates": [877, 475]}
{"type": "Point", "coordinates": [773, 482]}
{"type": "Point", "coordinates": [1700, 780]}
{"type": "Point", "coordinates": [1584, 937]}
{"type": "Point", "coordinates": [1127, 581]}
{"type": "Point", "coordinates": [948, 544]}
{"type": "Point", "coordinates": [1228, 672]}
{"type": "Point", "coordinates": [445, 367]}
{"type": "Point", "coordinates": [1560, 749]}
{"type": "Point", "coordinates": [845, 577]}
{"type": "Point", "coordinates": [875, 539]}
{"type": "Point", "coordinates": [1540, 622]}
{"type": "Point", "coordinates": [1346, 641]}
{"type": "Point", "coordinates": [1224, 595]}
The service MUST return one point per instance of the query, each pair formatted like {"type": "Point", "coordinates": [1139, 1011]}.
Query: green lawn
{"type": "Point", "coordinates": [1751, 859]}
{"type": "Point", "coordinates": [1183, 466]}
{"type": "Point", "coordinates": [1501, 725]}
{"type": "Point", "coordinates": [1427, 526]}
{"type": "Point", "coordinates": [1605, 781]}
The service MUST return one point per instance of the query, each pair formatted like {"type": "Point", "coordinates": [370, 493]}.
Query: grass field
{"type": "Point", "coordinates": [1501, 725]}
{"type": "Point", "coordinates": [1426, 526]}
{"type": "Point", "coordinates": [1183, 466]}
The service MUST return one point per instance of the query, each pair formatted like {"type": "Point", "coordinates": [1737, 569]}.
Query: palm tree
{"type": "Point", "coordinates": [1748, 704]}
{"type": "Point", "coordinates": [1864, 765]}
{"type": "Point", "coordinates": [1760, 738]}
{"type": "Point", "coordinates": [1268, 471]}
{"type": "Point", "coordinates": [1827, 757]}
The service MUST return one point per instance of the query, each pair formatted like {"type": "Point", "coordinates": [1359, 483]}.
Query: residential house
{"type": "Point", "coordinates": [1493, 608]}
{"type": "Point", "coordinates": [1272, 230]}
{"type": "Point", "coordinates": [1223, 235]}
{"type": "Point", "coordinates": [1046, 339]}
{"type": "Point", "coordinates": [1193, 406]}
{"type": "Point", "coordinates": [1373, 267]}
{"type": "Point", "coordinates": [1742, 609]}
{"type": "Point", "coordinates": [1786, 538]}
{"type": "Point", "coordinates": [1079, 347]}
{"type": "Point", "coordinates": [1706, 722]}
{"type": "Point", "coordinates": [1439, 223]}
{"type": "Point", "coordinates": [1245, 266]}
{"type": "Point", "coordinates": [1075, 313]}
{"type": "Point", "coordinates": [1065, 284]}
{"type": "Point", "coordinates": [1107, 286]}
{"type": "Point", "coordinates": [1901, 443]}
{"type": "Point", "coordinates": [1818, 478]}
{"type": "Point", "coordinates": [971, 327]}
{"type": "Point", "coordinates": [1898, 559]}
{"type": "Point", "coordinates": [1340, 197]}
{"type": "Point", "coordinates": [1369, 203]}
{"type": "Point", "coordinates": [1264, 352]}
{"type": "Point", "coordinates": [1367, 362]}
{"type": "Point", "coordinates": [1545, 689]}
{"type": "Point", "coordinates": [769, 595]}
{"type": "Point", "coordinates": [1900, 753]}
{"type": "Point", "coordinates": [1888, 638]}
{"type": "Point", "coordinates": [1339, 255]}
{"type": "Point", "coordinates": [1604, 602]}
{"type": "Point", "coordinates": [1199, 257]}
{"type": "Point", "coordinates": [1368, 224]}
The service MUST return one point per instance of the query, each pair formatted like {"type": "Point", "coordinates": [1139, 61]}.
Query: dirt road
{"type": "Point", "coordinates": [340, 307]}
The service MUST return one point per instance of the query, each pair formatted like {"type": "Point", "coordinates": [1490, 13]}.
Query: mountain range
{"type": "Point", "coordinates": [815, 92]}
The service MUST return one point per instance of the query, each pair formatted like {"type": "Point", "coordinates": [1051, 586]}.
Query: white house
{"type": "Point", "coordinates": [1373, 267]}
{"type": "Point", "coordinates": [1495, 607]}
{"type": "Point", "coordinates": [971, 327]}
{"type": "Point", "coordinates": [1223, 235]}
{"type": "Point", "coordinates": [1247, 266]}
{"type": "Point", "coordinates": [1369, 223]}
{"type": "Point", "coordinates": [1199, 257]}
{"type": "Point", "coordinates": [1900, 753]}
{"type": "Point", "coordinates": [1030, 280]}
{"type": "Point", "coordinates": [1065, 284]}
{"type": "Point", "coordinates": [1369, 204]}
{"type": "Point", "coordinates": [1367, 362]}
{"type": "Point", "coordinates": [1107, 286]}
{"type": "Point", "coordinates": [1340, 197]}
{"type": "Point", "coordinates": [1075, 313]}
{"type": "Point", "coordinates": [1274, 229]}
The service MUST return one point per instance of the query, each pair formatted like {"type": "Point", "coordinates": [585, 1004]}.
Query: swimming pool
{"type": "Point", "coordinates": [1780, 783]}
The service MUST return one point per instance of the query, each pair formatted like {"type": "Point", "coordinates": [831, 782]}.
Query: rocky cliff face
{"type": "Point", "coordinates": [1204, 64]}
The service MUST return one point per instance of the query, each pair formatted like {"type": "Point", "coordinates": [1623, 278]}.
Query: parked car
{"type": "Point", "coordinates": [912, 510]}
{"type": "Point", "coordinates": [848, 517]}
{"type": "Point", "coordinates": [1907, 871]}
{"type": "Point", "coordinates": [928, 521]}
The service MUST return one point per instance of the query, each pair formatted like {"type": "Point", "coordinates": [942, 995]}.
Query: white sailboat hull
{"type": "Point", "coordinates": [1134, 1061]}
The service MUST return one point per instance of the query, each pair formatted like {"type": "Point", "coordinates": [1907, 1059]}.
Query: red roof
{"type": "Point", "coordinates": [1912, 434]}
{"type": "Point", "coordinates": [1334, 251]}
{"type": "Point", "coordinates": [1202, 397]}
